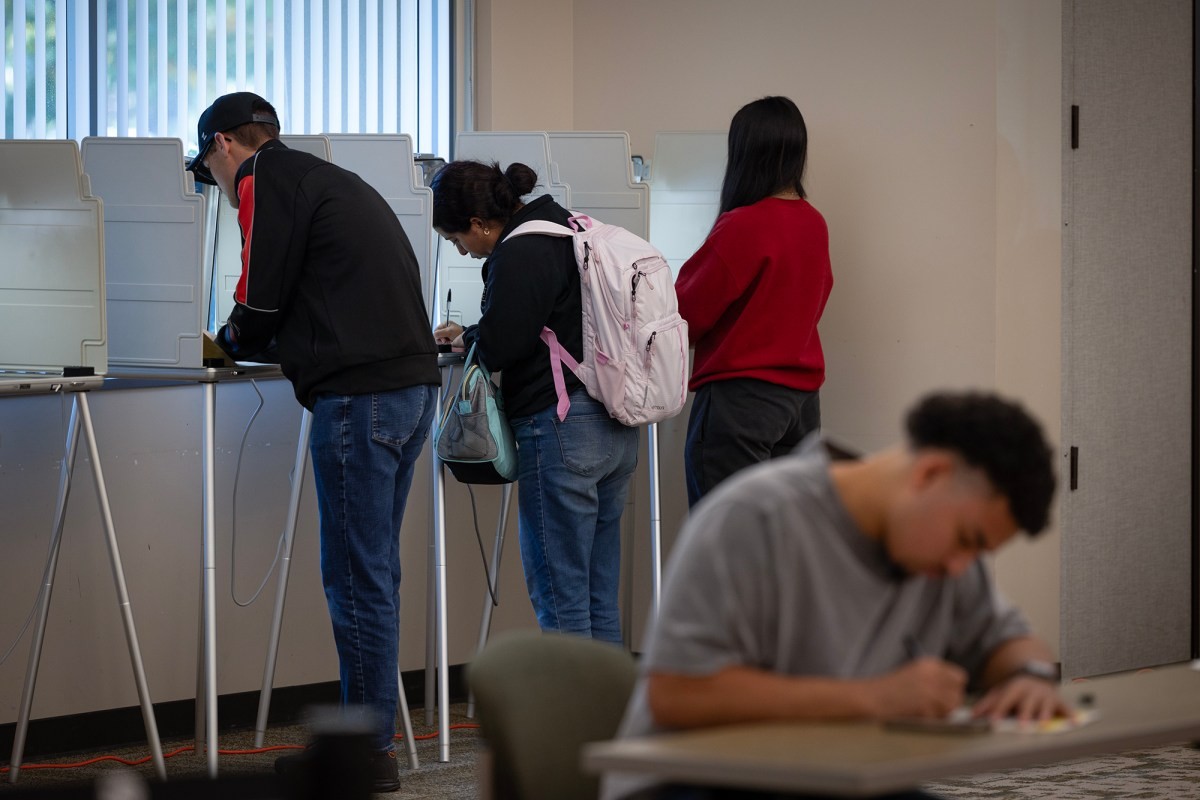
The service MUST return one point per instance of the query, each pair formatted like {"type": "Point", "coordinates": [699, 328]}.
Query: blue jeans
{"type": "Point", "coordinates": [364, 448]}
{"type": "Point", "coordinates": [574, 476]}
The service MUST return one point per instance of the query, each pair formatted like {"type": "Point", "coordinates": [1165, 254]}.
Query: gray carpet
{"type": "Point", "coordinates": [1166, 773]}
{"type": "Point", "coordinates": [453, 780]}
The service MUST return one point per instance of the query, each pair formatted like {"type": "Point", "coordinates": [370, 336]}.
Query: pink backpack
{"type": "Point", "coordinates": [635, 344]}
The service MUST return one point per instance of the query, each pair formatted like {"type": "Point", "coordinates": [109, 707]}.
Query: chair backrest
{"type": "Point", "coordinates": [541, 697]}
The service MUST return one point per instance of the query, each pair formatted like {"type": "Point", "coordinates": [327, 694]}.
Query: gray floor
{"type": "Point", "coordinates": [1167, 773]}
{"type": "Point", "coordinates": [453, 780]}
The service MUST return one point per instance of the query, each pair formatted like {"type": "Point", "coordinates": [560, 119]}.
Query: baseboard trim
{"type": "Point", "coordinates": [121, 727]}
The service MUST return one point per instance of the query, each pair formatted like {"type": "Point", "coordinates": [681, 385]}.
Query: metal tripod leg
{"type": "Point", "coordinates": [410, 743]}
{"type": "Point", "coordinates": [285, 567]}
{"type": "Point", "coordinates": [39, 631]}
{"type": "Point", "coordinates": [436, 646]}
{"type": "Point", "coordinates": [198, 748]}
{"type": "Point", "coordinates": [485, 623]}
{"type": "Point", "coordinates": [440, 654]}
{"type": "Point", "coordinates": [431, 609]}
{"type": "Point", "coordinates": [81, 412]}
{"type": "Point", "coordinates": [206, 700]}
{"type": "Point", "coordinates": [114, 556]}
{"type": "Point", "coordinates": [655, 519]}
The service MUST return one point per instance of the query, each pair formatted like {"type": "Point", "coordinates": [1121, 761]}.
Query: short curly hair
{"type": "Point", "coordinates": [997, 436]}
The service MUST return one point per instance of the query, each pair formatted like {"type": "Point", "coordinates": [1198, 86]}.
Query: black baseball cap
{"type": "Point", "coordinates": [226, 113]}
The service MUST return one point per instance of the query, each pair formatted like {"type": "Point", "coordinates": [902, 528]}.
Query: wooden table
{"type": "Point", "coordinates": [1137, 710]}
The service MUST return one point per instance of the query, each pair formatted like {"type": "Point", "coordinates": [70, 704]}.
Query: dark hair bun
{"type": "Point", "coordinates": [521, 178]}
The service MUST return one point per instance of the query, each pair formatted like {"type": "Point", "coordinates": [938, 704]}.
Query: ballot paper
{"type": "Point", "coordinates": [960, 722]}
{"type": "Point", "coordinates": [1060, 724]}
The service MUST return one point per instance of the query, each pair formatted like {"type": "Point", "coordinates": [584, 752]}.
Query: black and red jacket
{"type": "Point", "coordinates": [329, 276]}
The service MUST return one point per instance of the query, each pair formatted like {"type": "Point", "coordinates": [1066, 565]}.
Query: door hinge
{"type": "Point", "coordinates": [1074, 479]}
{"type": "Point", "coordinates": [1074, 127]}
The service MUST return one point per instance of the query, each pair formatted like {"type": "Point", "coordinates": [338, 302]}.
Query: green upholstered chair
{"type": "Point", "coordinates": [540, 697]}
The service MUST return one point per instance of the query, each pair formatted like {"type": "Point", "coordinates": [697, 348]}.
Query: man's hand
{"type": "Point", "coordinates": [1024, 697]}
{"type": "Point", "coordinates": [448, 333]}
{"type": "Point", "coordinates": [924, 687]}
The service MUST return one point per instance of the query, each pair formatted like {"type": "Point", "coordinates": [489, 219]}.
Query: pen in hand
{"type": "Point", "coordinates": [445, 341]}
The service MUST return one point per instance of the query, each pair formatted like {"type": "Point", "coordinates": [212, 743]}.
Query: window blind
{"type": "Point", "coordinates": [74, 68]}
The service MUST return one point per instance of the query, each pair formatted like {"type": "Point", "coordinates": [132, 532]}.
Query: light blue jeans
{"type": "Point", "coordinates": [364, 448]}
{"type": "Point", "coordinates": [574, 477]}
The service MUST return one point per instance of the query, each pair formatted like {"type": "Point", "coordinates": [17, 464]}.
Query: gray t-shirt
{"type": "Point", "coordinates": [772, 572]}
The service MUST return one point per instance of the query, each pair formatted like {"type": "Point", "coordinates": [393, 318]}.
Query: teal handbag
{"type": "Point", "coordinates": [474, 439]}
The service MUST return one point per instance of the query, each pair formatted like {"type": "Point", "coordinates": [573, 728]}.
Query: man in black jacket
{"type": "Point", "coordinates": [329, 278]}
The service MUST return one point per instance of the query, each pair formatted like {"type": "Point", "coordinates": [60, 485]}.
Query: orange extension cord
{"type": "Point", "coordinates": [191, 748]}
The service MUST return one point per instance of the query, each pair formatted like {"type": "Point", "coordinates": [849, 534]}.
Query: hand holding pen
{"type": "Point", "coordinates": [448, 334]}
{"type": "Point", "coordinates": [923, 686]}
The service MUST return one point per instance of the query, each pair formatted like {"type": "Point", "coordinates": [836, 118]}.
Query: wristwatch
{"type": "Point", "coordinates": [1038, 669]}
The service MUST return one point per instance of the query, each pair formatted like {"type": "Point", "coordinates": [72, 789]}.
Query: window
{"type": "Point", "coordinates": [74, 68]}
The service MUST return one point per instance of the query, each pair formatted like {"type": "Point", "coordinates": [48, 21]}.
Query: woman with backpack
{"type": "Point", "coordinates": [574, 472]}
{"type": "Point", "coordinates": [752, 296]}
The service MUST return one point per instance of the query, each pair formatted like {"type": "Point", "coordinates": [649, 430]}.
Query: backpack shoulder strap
{"type": "Point", "coordinates": [541, 226]}
{"type": "Point", "coordinates": [582, 222]}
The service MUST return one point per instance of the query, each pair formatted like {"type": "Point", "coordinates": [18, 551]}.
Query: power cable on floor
{"type": "Point", "coordinates": [191, 748]}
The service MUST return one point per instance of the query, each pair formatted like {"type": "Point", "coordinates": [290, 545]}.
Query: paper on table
{"type": "Point", "coordinates": [1076, 719]}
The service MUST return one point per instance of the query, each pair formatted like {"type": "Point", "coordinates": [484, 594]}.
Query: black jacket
{"type": "Point", "coordinates": [329, 275]}
{"type": "Point", "coordinates": [530, 282]}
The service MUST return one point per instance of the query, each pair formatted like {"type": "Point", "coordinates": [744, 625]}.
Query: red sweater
{"type": "Point", "coordinates": [754, 292]}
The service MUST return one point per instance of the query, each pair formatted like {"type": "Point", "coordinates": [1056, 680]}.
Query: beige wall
{"type": "Point", "coordinates": [1028, 257]}
{"type": "Point", "coordinates": [934, 156]}
{"type": "Point", "coordinates": [523, 65]}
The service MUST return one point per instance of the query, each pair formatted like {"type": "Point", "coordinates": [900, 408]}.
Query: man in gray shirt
{"type": "Point", "coordinates": [808, 590]}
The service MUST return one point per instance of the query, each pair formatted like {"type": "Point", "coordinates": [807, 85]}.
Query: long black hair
{"type": "Point", "coordinates": [768, 145]}
{"type": "Point", "coordinates": [466, 189]}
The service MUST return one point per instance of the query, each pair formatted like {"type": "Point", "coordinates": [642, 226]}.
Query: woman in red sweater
{"type": "Point", "coordinates": [753, 295]}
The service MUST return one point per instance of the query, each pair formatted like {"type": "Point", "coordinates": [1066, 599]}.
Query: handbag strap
{"type": "Point", "coordinates": [452, 397]}
{"type": "Point", "coordinates": [470, 365]}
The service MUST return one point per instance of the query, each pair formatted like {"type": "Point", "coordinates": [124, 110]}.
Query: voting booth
{"type": "Point", "coordinates": [52, 293]}
{"type": "Point", "coordinates": [386, 161]}
{"type": "Point", "coordinates": [685, 191]}
{"type": "Point", "coordinates": [459, 276]}
{"type": "Point", "coordinates": [598, 168]}
{"type": "Point", "coordinates": [158, 293]}
{"type": "Point", "coordinates": [53, 340]}
{"type": "Point", "coordinates": [224, 238]}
